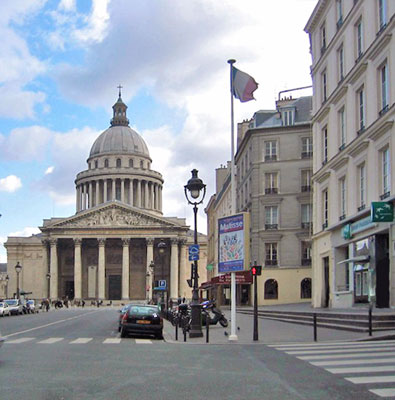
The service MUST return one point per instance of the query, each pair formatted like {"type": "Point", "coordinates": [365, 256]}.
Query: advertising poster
{"type": "Point", "coordinates": [231, 243]}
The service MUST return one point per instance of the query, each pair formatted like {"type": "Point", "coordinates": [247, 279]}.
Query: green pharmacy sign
{"type": "Point", "coordinates": [381, 211]}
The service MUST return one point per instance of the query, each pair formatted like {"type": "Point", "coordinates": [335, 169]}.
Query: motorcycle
{"type": "Point", "coordinates": [210, 309]}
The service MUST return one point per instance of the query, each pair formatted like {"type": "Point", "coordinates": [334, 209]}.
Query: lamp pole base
{"type": "Point", "coordinates": [233, 338]}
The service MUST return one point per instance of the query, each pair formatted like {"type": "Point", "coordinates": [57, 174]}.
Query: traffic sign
{"type": "Point", "coordinates": [194, 252]}
{"type": "Point", "coordinates": [381, 211]}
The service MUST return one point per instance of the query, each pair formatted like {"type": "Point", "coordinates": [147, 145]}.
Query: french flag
{"type": "Point", "coordinates": [243, 84]}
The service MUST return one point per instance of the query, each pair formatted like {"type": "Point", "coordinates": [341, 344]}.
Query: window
{"type": "Point", "coordinates": [271, 217]}
{"type": "Point", "coordinates": [323, 39]}
{"type": "Point", "coordinates": [361, 187]}
{"type": "Point", "coordinates": [343, 198]}
{"type": "Point", "coordinates": [131, 162]}
{"type": "Point", "coordinates": [340, 57]}
{"type": "Point", "coordinates": [384, 88]}
{"type": "Point", "coordinates": [305, 288]}
{"type": "Point", "coordinates": [385, 168]}
{"type": "Point", "coordinates": [271, 150]}
{"type": "Point", "coordinates": [106, 163]}
{"type": "Point", "coordinates": [287, 117]}
{"type": "Point", "coordinates": [270, 254]}
{"type": "Point", "coordinates": [325, 145]}
{"type": "Point", "coordinates": [271, 289]}
{"type": "Point", "coordinates": [142, 164]}
{"type": "Point", "coordinates": [96, 164]}
{"type": "Point", "coordinates": [306, 252]}
{"type": "Point", "coordinates": [339, 11]}
{"type": "Point", "coordinates": [306, 180]}
{"type": "Point", "coordinates": [361, 110]}
{"type": "Point", "coordinates": [359, 34]}
{"type": "Point", "coordinates": [271, 185]}
{"type": "Point", "coordinates": [306, 215]}
{"type": "Point", "coordinates": [118, 163]}
{"type": "Point", "coordinates": [342, 128]}
{"type": "Point", "coordinates": [324, 79]}
{"type": "Point", "coordinates": [325, 209]}
{"type": "Point", "coordinates": [382, 14]}
{"type": "Point", "coordinates": [307, 147]}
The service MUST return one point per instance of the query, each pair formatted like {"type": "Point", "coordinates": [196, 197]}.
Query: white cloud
{"type": "Point", "coordinates": [10, 184]}
{"type": "Point", "coordinates": [67, 5]}
{"type": "Point", "coordinates": [49, 170]}
{"type": "Point", "coordinates": [25, 232]}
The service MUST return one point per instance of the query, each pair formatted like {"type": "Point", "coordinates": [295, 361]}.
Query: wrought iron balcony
{"type": "Point", "coordinates": [272, 157]}
{"type": "Point", "coordinates": [384, 110]}
{"type": "Point", "coordinates": [271, 226]}
{"type": "Point", "coordinates": [306, 188]}
{"type": "Point", "coordinates": [385, 195]}
{"type": "Point", "coordinates": [307, 154]}
{"type": "Point", "coordinates": [361, 207]}
{"type": "Point", "coordinates": [306, 225]}
{"type": "Point", "coordinates": [271, 191]}
{"type": "Point", "coordinates": [305, 261]}
{"type": "Point", "coordinates": [270, 263]}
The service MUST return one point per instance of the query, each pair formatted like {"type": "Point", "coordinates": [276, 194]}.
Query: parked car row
{"type": "Point", "coordinates": [17, 307]}
{"type": "Point", "coordinates": [140, 319]}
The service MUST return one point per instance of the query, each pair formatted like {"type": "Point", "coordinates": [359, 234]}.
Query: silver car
{"type": "Point", "coordinates": [4, 309]}
{"type": "Point", "coordinates": [15, 306]}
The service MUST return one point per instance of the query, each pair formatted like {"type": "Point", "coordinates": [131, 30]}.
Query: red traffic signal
{"type": "Point", "coordinates": [256, 270]}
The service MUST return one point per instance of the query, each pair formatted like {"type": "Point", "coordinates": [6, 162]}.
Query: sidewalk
{"type": "Point", "coordinates": [271, 332]}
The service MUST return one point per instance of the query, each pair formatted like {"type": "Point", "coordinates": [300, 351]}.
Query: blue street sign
{"type": "Point", "coordinates": [161, 285]}
{"type": "Point", "coordinates": [194, 252]}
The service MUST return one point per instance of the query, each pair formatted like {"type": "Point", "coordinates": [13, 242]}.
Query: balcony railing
{"type": "Point", "coordinates": [306, 225]}
{"type": "Point", "coordinates": [271, 191]}
{"type": "Point", "coordinates": [343, 216]}
{"type": "Point", "coordinates": [270, 263]}
{"type": "Point", "coordinates": [271, 226]}
{"type": "Point", "coordinates": [305, 261]}
{"type": "Point", "coordinates": [272, 157]}
{"type": "Point", "coordinates": [306, 188]}
{"type": "Point", "coordinates": [361, 207]}
{"type": "Point", "coordinates": [362, 130]}
{"type": "Point", "coordinates": [339, 23]}
{"type": "Point", "coordinates": [385, 195]}
{"type": "Point", "coordinates": [323, 49]}
{"type": "Point", "coordinates": [325, 225]}
{"type": "Point", "coordinates": [307, 154]}
{"type": "Point", "coordinates": [342, 147]}
{"type": "Point", "coordinates": [384, 110]}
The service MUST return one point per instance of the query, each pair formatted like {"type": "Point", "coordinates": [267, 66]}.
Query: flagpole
{"type": "Point", "coordinates": [233, 335]}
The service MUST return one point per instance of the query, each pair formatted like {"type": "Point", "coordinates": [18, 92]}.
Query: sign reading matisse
{"type": "Point", "coordinates": [231, 243]}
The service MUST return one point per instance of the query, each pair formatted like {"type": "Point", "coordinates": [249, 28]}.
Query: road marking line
{"type": "Point", "coordinates": [384, 392]}
{"type": "Point", "coordinates": [344, 355]}
{"type": "Point", "coordinates": [353, 362]}
{"type": "Point", "coordinates": [315, 345]}
{"type": "Point", "coordinates": [332, 351]}
{"type": "Point", "coordinates": [81, 341]}
{"type": "Point", "coordinates": [50, 324]}
{"type": "Point", "coordinates": [112, 341]}
{"type": "Point", "coordinates": [359, 370]}
{"type": "Point", "coordinates": [372, 379]}
{"type": "Point", "coordinates": [142, 341]}
{"type": "Point", "coordinates": [21, 340]}
{"type": "Point", "coordinates": [51, 340]}
{"type": "Point", "coordinates": [349, 346]}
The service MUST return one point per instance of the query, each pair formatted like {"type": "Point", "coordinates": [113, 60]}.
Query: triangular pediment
{"type": "Point", "coordinates": [114, 216]}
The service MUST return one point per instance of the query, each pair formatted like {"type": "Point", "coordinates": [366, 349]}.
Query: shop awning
{"type": "Point", "coordinates": [242, 277]}
{"type": "Point", "coordinates": [357, 259]}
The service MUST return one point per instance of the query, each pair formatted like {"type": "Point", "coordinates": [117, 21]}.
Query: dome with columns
{"type": "Point", "coordinates": [119, 168]}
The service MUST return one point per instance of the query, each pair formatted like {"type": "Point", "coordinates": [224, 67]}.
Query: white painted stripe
{"type": "Point", "coordinates": [142, 341]}
{"type": "Point", "coordinates": [314, 345]}
{"type": "Point", "coordinates": [372, 379]}
{"type": "Point", "coordinates": [81, 341]}
{"type": "Point", "coordinates": [112, 341]}
{"type": "Point", "coordinates": [354, 362]}
{"type": "Point", "coordinates": [384, 392]}
{"type": "Point", "coordinates": [21, 340]}
{"type": "Point", "coordinates": [51, 340]}
{"type": "Point", "coordinates": [343, 346]}
{"type": "Point", "coordinates": [344, 355]}
{"type": "Point", "coordinates": [332, 351]}
{"type": "Point", "coordinates": [359, 370]}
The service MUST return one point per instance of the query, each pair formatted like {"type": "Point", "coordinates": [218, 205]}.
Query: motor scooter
{"type": "Point", "coordinates": [215, 314]}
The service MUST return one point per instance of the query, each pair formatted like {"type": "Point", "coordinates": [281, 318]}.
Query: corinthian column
{"type": "Point", "coordinates": [146, 196]}
{"type": "Point", "coordinates": [149, 273]}
{"type": "Point", "coordinates": [138, 197]}
{"type": "Point", "coordinates": [123, 190]}
{"type": "Point", "coordinates": [174, 269]}
{"type": "Point", "coordinates": [102, 269]}
{"type": "Point", "coordinates": [77, 269]}
{"type": "Point", "coordinates": [104, 190]}
{"type": "Point", "coordinates": [53, 268]}
{"type": "Point", "coordinates": [125, 269]}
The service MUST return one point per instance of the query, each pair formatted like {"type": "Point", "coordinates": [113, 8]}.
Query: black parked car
{"type": "Point", "coordinates": [142, 319]}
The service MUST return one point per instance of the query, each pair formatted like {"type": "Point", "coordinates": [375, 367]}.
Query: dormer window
{"type": "Point", "coordinates": [288, 117]}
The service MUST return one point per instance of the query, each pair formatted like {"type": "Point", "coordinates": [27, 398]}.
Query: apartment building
{"type": "Point", "coordinates": [353, 61]}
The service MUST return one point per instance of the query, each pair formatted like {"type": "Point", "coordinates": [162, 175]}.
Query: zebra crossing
{"type": "Point", "coordinates": [77, 341]}
{"type": "Point", "coordinates": [361, 363]}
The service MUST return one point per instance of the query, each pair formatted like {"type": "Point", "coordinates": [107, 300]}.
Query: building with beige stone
{"type": "Point", "coordinates": [118, 245]}
{"type": "Point", "coordinates": [353, 65]}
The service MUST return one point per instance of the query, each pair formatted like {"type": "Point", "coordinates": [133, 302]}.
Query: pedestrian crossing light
{"type": "Point", "coordinates": [256, 270]}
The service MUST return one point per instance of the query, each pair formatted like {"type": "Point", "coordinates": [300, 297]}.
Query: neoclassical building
{"type": "Point", "coordinates": [118, 245]}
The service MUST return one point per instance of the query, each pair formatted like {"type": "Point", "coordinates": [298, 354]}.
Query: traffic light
{"type": "Point", "coordinates": [256, 270]}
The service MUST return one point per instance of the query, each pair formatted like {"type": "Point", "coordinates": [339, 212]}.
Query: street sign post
{"type": "Point", "coordinates": [194, 252]}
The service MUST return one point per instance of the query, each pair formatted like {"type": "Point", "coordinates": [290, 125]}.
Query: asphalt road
{"type": "Point", "coordinates": [77, 354]}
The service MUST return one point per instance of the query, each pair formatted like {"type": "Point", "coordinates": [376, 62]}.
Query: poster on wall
{"type": "Point", "coordinates": [233, 243]}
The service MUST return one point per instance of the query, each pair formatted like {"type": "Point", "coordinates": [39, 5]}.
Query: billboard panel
{"type": "Point", "coordinates": [233, 243]}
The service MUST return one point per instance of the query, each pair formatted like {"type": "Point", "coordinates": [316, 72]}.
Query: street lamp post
{"type": "Point", "coordinates": [162, 247]}
{"type": "Point", "coordinates": [48, 276]}
{"type": "Point", "coordinates": [18, 269]}
{"type": "Point", "coordinates": [194, 195]}
{"type": "Point", "coordinates": [7, 279]}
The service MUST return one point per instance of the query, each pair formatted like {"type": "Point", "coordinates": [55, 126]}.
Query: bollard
{"type": "Point", "coordinates": [176, 325]}
{"type": "Point", "coordinates": [185, 334]}
{"type": "Point", "coordinates": [370, 320]}
{"type": "Point", "coordinates": [315, 326]}
{"type": "Point", "coordinates": [207, 327]}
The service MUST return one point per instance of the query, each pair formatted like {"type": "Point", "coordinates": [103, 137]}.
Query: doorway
{"type": "Point", "coordinates": [115, 287]}
{"type": "Point", "coordinates": [69, 290]}
{"type": "Point", "coordinates": [326, 282]}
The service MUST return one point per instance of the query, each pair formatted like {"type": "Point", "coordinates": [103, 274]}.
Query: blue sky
{"type": "Point", "coordinates": [62, 60]}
